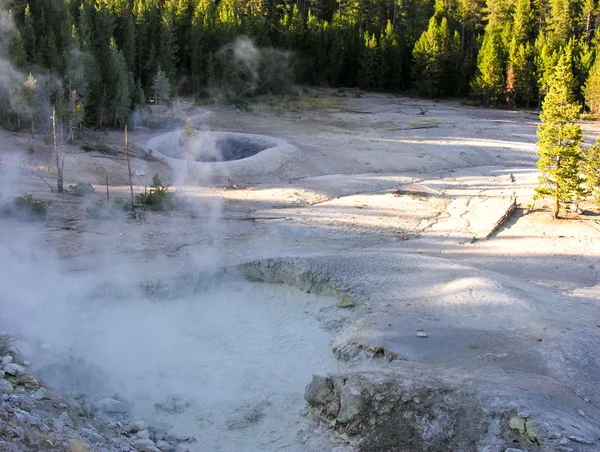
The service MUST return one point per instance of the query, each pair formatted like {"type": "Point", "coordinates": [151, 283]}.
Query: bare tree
{"type": "Point", "coordinates": [59, 167]}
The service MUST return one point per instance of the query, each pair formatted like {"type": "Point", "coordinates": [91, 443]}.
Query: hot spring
{"type": "Point", "coordinates": [226, 364]}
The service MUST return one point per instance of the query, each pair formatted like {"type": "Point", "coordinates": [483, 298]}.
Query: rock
{"type": "Point", "coordinates": [92, 435]}
{"type": "Point", "coordinates": [31, 419]}
{"type": "Point", "coordinates": [512, 449]}
{"type": "Point", "coordinates": [351, 404]}
{"type": "Point", "coordinates": [21, 349]}
{"type": "Point", "coordinates": [140, 172]}
{"type": "Point", "coordinates": [6, 360]}
{"type": "Point", "coordinates": [523, 414]}
{"type": "Point", "coordinates": [14, 369]}
{"type": "Point", "coordinates": [421, 333]}
{"type": "Point", "coordinates": [40, 394]}
{"type": "Point", "coordinates": [172, 405]}
{"type": "Point", "coordinates": [109, 405]}
{"type": "Point", "coordinates": [578, 439]}
{"type": "Point", "coordinates": [143, 434]}
{"type": "Point", "coordinates": [145, 445]}
{"type": "Point", "coordinates": [319, 390]}
{"type": "Point", "coordinates": [63, 421]}
{"type": "Point", "coordinates": [137, 426]}
{"type": "Point", "coordinates": [517, 424]}
{"type": "Point", "coordinates": [581, 413]}
{"type": "Point", "coordinates": [164, 446]}
{"type": "Point", "coordinates": [181, 448]}
{"type": "Point", "coordinates": [346, 302]}
{"type": "Point", "coordinates": [5, 387]}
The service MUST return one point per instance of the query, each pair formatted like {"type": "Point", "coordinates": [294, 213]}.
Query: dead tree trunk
{"type": "Point", "coordinates": [59, 168]}
{"type": "Point", "coordinates": [128, 166]}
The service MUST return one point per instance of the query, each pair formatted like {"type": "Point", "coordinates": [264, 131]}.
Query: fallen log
{"type": "Point", "coordinates": [511, 208]}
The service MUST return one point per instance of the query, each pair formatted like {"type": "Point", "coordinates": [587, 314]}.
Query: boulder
{"type": "Point", "coordinates": [5, 387]}
{"type": "Point", "coordinates": [111, 406]}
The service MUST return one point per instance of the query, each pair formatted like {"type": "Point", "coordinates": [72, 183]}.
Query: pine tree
{"type": "Point", "coordinates": [489, 82]}
{"type": "Point", "coordinates": [591, 171]}
{"type": "Point", "coordinates": [28, 34]}
{"type": "Point", "coordinates": [168, 48]}
{"type": "Point", "coordinates": [522, 21]}
{"type": "Point", "coordinates": [18, 56]}
{"type": "Point", "coordinates": [437, 59]}
{"type": "Point", "coordinates": [368, 61]}
{"type": "Point", "coordinates": [592, 88]}
{"type": "Point", "coordinates": [160, 87]}
{"type": "Point", "coordinates": [427, 69]}
{"type": "Point", "coordinates": [24, 100]}
{"type": "Point", "coordinates": [120, 85]}
{"type": "Point", "coordinates": [559, 145]}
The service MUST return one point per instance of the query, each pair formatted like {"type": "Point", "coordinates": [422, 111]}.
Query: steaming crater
{"type": "Point", "coordinates": [217, 146]}
{"type": "Point", "coordinates": [223, 155]}
{"type": "Point", "coordinates": [227, 364]}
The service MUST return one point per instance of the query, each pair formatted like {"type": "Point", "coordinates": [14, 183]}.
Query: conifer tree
{"type": "Point", "coordinates": [368, 61]}
{"type": "Point", "coordinates": [436, 55]}
{"type": "Point", "coordinates": [489, 83]}
{"type": "Point", "coordinates": [591, 171]}
{"type": "Point", "coordinates": [160, 87]}
{"type": "Point", "coordinates": [24, 100]}
{"type": "Point", "coordinates": [592, 88]}
{"type": "Point", "coordinates": [559, 145]}
{"type": "Point", "coordinates": [521, 64]}
{"type": "Point", "coordinates": [18, 56]}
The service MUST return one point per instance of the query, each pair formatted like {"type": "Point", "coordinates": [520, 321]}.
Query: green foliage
{"type": "Point", "coordinates": [489, 83]}
{"type": "Point", "coordinates": [592, 88]}
{"type": "Point", "coordinates": [115, 54]}
{"type": "Point", "coordinates": [591, 171]}
{"type": "Point", "coordinates": [243, 70]}
{"type": "Point", "coordinates": [24, 99]}
{"type": "Point", "coordinates": [437, 57]}
{"type": "Point", "coordinates": [559, 145]}
{"type": "Point", "coordinates": [81, 188]}
{"type": "Point", "coordinates": [161, 88]}
{"type": "Point", "coordinates": [103, 210]}
{"type": "Point", "coordinates": [26, 208]}
{"type": "Point", "coordinates": [521, 63]}
{"type": "Point", "coordinates": [158, 197]}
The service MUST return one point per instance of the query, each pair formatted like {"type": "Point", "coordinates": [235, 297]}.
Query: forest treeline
{"type": "Point", "coordinates": [96, 60]}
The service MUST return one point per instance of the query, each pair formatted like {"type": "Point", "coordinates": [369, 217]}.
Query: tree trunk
{"type": "Point", "coordinates": [32, 128]}
{"type": "Point", "coordinates": [555, 207]}
{"type": "Point", "coordinates": [128, 166]}
{"type": "Point", "coordinates": [59, 168]}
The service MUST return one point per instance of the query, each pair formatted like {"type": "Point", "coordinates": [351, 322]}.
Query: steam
{"type": "Point", "coordinates": [244, 70]}
{"type": "Point", "coordinates": [248, 55]}
{"type": "Point", "coordinates": [8, 74]}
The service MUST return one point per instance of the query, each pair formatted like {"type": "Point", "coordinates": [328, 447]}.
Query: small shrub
{"type": "Point", "coordinates": [48, 139]}
{"type": "Point", "coordinates": [26, 208]}
{"type": "Point", "coordinates": [102, 210]}
{"type": "Point", "coordinates": [148, 156]}
{"type": "Point", "coordinates": [81, 188]}
{"type": "Point", "coordinates": [30, 150]}
{"type": "Point", "coordinates": [86, 148]}
{"type": "Point", "coordinates": [158, 198]}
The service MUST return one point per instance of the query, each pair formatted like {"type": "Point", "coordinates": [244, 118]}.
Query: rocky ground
{"type": "Point", "coordinates": [460, 336]}
{"type": "Point", "coordinates": [35, 418]}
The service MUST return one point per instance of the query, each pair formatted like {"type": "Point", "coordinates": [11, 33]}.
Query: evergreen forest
{"type": "Point", "coordinates": [96, 61]}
